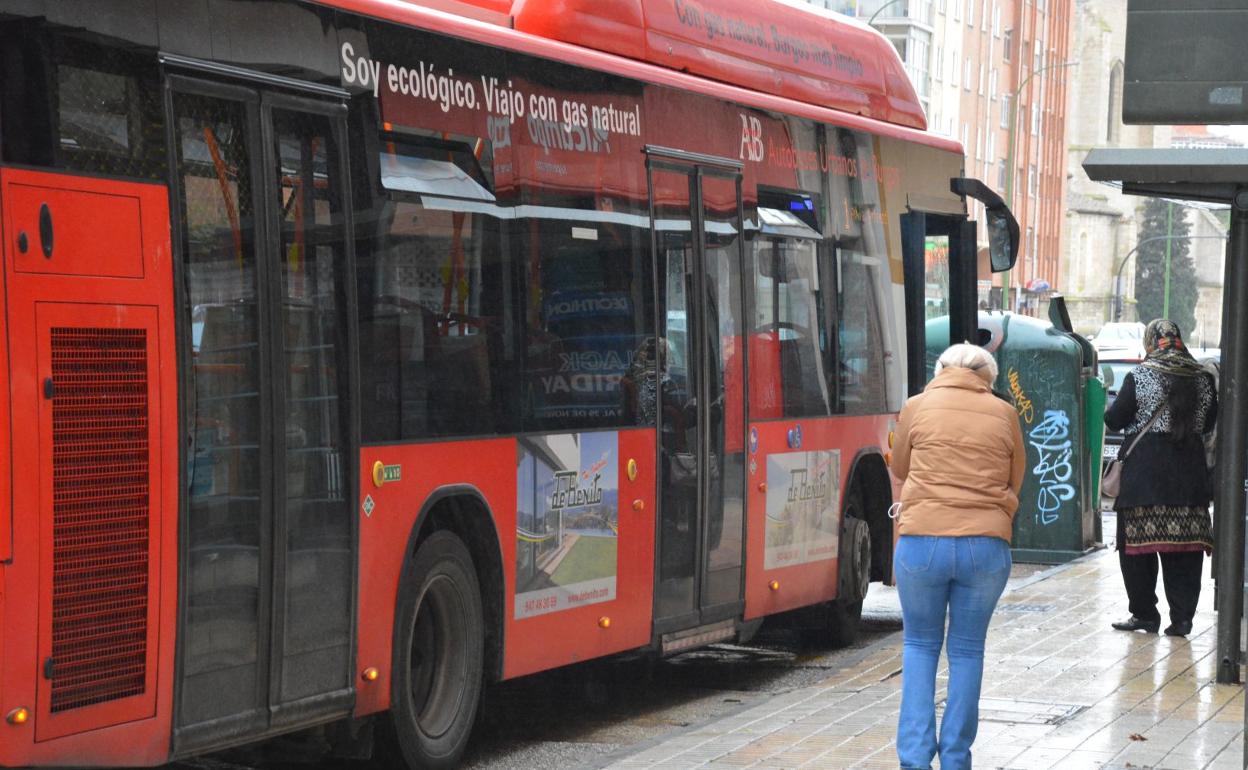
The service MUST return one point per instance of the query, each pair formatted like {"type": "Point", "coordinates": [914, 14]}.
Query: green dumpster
{"type": "Point", "coordinates": [1046, 373]}
{"type": "Point", "coordinates": [1094, 399]}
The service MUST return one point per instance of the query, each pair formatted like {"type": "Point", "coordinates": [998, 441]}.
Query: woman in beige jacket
{"type": "Point", "coordinates": [959, 451]}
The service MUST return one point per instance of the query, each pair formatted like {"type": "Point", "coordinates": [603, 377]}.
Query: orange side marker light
{"type": "Point", "coordinates": [370, 674]}
{"type": "Point", "coordinates": [18, 717]}
{"type": "Point", "coordinates": [774, 585]}
{"type": "Point", "coordinates": [639, 504]}
{"type": "Point", "coordinates": [604, 622]}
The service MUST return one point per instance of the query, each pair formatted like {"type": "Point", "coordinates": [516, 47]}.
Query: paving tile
{"type": "Point", "coordinates": [1084, 760]}
{"type": "Point", "coordinates": [1102, 689]}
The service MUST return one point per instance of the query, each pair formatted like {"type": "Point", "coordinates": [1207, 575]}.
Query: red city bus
{"type": "Point", "coordinates": [364, 352]}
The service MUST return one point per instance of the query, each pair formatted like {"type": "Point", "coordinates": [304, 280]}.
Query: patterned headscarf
{"type": "Point", "coordinates": [1169, 355]}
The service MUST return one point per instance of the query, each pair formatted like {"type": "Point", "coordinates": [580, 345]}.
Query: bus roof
{"type": "Point", "coordinates": [818, 65]}
{"type": "Point", "coordinates": [763, 45]}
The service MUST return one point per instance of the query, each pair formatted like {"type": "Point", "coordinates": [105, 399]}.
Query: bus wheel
{"type": "Point", "coordinates": [845, 611]}
{"type": "Point", "coordinates": [438, 655]}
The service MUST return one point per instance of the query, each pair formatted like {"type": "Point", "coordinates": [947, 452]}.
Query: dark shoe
{"type": "Point", "coordinates": [1135, 624]}
{"type": "Point", "coordinates": [1179, 629]}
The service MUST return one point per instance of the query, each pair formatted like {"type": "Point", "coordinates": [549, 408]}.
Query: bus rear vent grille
{"type": "Point", "coordinates": [100, 483]}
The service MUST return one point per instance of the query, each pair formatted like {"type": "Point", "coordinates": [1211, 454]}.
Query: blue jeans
{"type": "Point", "coordinates": [965, 575]}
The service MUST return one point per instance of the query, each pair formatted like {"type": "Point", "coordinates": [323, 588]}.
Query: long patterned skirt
{"type": "Point", "coordinates": [1165, 529]}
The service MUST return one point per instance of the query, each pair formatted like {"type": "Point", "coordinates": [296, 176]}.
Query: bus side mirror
{"type": "Point", "coordinates": [1002, 226]}
{"type": "Point", "coordinates": [1002, 239]}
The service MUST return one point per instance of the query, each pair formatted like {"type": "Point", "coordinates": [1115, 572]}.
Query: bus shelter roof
{"type": "Point", "coordinates": [1211, 175]}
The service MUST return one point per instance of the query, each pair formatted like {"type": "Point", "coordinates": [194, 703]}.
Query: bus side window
{"type": "Point", "coordinates": [861, 343]}
{"type": "Point", "coordinates": [73, 104]}
{"type": "Point", "coordinates": [790, 348]}
{"type": "Point", "coordinates": [588, 331]}
{"type": "Point", "coordinates": [434, 306]}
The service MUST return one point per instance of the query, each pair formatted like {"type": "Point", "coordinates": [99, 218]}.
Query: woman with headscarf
{"type": "Point", "coordinates": [1163, 502]}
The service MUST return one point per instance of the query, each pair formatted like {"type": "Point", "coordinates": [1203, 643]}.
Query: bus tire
{"type": "Point", "coordinates": [439, 645]}
{"type": "Point", "coordinates": [844, 613]}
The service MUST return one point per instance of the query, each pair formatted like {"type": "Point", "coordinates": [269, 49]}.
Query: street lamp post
{"type": "Point", "coordinates": [871, 20]}
{"type": "Point", "coordinates": [1009, 154]}
{"type": "Point", "coordinates": [1118, 301]}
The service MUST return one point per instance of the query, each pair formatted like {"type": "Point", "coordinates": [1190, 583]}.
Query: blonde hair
{"type": "Point", "coordinates": [967, 356]}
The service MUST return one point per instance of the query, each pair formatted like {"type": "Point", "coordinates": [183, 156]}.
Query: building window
{"type": "Point", "coordinates": [1006, 101]}
{"type": "Point", "coordinates": [970, 13]}
{"type": "Point", "coordinates": [966, 134]}
{"type": "Point", "coordinates": [953, 68]}
{"type": "Point", "coordinates": [1001, 174]}
{"type": "Point", "coordinates": [996, 20]}
{"type": "Point", "coordinates": [957, 10]}
{"type": "Point", "coordinates": [1033, 181]}
{"type": "Point", "coordinates": [939, 57]}
{"type": "Point", "coordinates": [1113, 123]}
{"type": "Point", "coordinates": [1084, 258]}
{"type": "Point", "coordinates": [992, 84]}
{"type": "Point", "coordinates": [1035, 120]}
{"type": "Point", "coordinates": [981, 80]}
{"type": "Point", "coordinates": [966, 75]}
{"type": "Point", "coordinates": [920, 53]}
{"type": "Point", "coordinates": [1007, 45]}
{"type": "Point", "coordinates": [979, 143]}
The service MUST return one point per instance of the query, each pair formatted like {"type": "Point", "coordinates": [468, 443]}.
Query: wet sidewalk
{"type": "Point", "coordinates": [1061, 690]}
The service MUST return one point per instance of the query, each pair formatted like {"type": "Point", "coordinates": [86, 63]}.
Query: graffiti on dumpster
{"type": "Point", "coordinates": [1053, 469]}
{"type": "Point", "coordinates": [1022, 403]}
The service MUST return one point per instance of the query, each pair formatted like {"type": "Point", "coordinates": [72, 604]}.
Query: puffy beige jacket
{"type": "Point", "coordinates": [959, 449]}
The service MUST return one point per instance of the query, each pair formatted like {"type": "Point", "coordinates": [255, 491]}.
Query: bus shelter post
{"type": "Point", "coordinates": [1232, 440]}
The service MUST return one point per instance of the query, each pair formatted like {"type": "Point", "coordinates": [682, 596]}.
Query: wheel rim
{"type": "Point", "coordinates": [863, 557]}
{"type": "Point", "coordinates": [438, 659]}
{"type": "Point", "coordinates": [859, 553]}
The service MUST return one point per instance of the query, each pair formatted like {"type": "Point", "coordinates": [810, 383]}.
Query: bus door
{"type": "Point", "coordinates": [939, 256]}
{"type": "Point", "coordinates": [696, 215]}
{"type": "Point", "coordinates": [268, 529]}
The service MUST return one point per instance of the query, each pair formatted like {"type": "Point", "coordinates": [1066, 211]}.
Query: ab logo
{"type": "Point", "coordinates": [751, 139]}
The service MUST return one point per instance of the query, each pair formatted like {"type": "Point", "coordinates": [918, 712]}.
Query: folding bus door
{"type": "Point", "coordinates": [268, 544]}
{"type": "Point", "coordinates": [698, 244]}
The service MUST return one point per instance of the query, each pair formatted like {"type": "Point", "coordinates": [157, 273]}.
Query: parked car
{"type": "Point", "coordinates": [1119, 341]}
{"type": "Point", "coordinates": [1208, 355]}
{"type": "Point", "coordinates": [1113, 373]}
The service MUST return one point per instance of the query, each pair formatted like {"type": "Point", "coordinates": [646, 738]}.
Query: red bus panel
{"type": "Point", "coordinates": [99, 447]}
{"type": "Point", "coordinates": [542, 627]}
{"type": "Point", "coordinates": [65, 243]}
{"type": "Point", "coordinates": [90, 321]}
{"type": "Point", "coordinates": [789, 562]}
